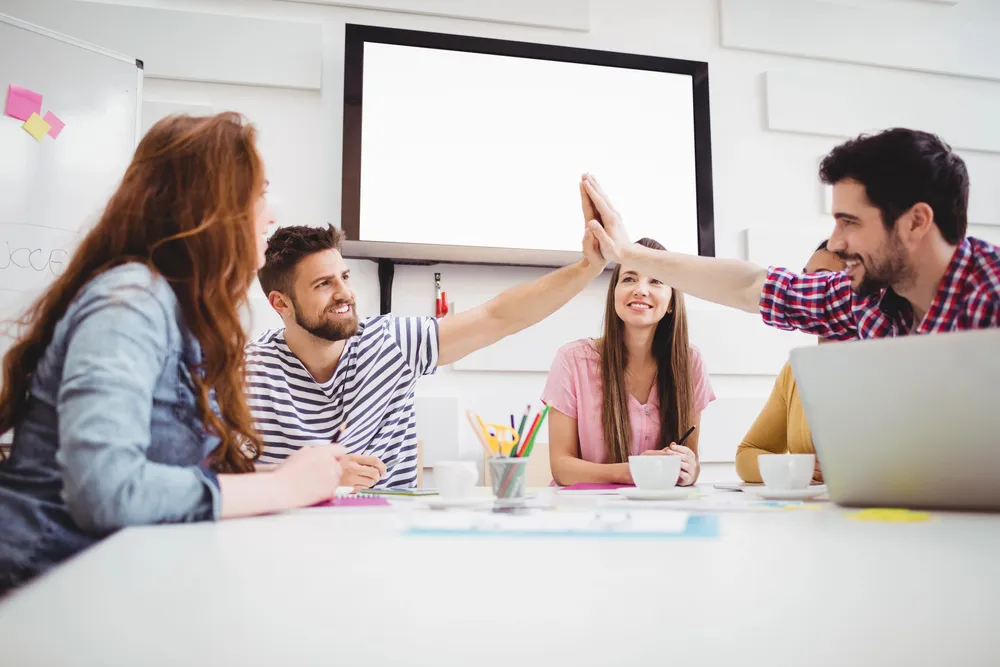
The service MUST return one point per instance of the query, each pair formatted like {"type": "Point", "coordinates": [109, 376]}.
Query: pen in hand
{"type": "Point", "coordinates": [683, 437]}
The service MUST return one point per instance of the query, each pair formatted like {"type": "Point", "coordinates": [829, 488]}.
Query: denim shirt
{"type": "Point", "coordinates": [111, 437]}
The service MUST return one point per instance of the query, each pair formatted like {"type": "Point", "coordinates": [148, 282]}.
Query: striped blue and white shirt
{"type": "Point", "coordinates": [371, 390]}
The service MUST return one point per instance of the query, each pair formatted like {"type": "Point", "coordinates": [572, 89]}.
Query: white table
{"type": "Point", "coordinates": [346, 587]}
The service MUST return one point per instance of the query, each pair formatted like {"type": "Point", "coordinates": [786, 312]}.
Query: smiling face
{"type": "Point", "coordinates": [640, 301]}
{"type": "Point", "coordinates": [875, 257]}
{"type": "Point", "coordinates": [322, 297]}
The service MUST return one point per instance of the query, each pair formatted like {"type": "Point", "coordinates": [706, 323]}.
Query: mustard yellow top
{"type": "Point", "coordinates": [780, 428]}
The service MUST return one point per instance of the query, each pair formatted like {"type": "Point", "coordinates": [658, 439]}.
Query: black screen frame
{"type": "Point", "coordinates": [356, 36]}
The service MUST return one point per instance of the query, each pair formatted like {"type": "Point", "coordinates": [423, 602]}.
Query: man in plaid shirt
{"type": "Point", "coordinates": [899, 201]}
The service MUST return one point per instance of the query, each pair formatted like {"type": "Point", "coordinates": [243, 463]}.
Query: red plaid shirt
{"type": "Point", "coordinates": [824, 304]}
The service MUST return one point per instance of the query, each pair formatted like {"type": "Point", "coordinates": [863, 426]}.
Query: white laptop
{"type": "Point", "coordinates": [906, 422]}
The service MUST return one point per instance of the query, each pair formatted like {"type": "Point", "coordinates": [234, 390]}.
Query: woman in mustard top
{"type": "Point", "coordinates": [781, 426]}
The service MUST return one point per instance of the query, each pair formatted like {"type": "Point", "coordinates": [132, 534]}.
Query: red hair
{"type": "Point", "coordinates": [184, 209]}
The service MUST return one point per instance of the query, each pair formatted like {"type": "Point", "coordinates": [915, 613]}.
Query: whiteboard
{"type": "Point", "coordinates": [52, 191]}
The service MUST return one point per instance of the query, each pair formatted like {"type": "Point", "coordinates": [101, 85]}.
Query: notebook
{"type": "Point", "coordinates": [413, 493]}
{"type": "Point", "coordinates": [345, 491]}
{"type": "Point", "coordinates": [360, 501]}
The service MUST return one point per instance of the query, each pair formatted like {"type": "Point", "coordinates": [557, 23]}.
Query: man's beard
{"type": "Point", "coordinates": [322, 327]}
{"type": "Point", "coordinates": [890, 270]}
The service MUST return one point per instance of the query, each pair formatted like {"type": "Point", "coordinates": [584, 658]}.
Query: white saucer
{"type": "Point", "coordinates": [676, 493]}
{"type": "Point", "coordinates": [787, 494]}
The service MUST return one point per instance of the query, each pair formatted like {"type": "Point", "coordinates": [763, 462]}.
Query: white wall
{"type": "Point", "coordinates": [782, 94]}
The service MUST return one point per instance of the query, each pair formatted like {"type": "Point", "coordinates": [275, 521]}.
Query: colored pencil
{"type": "Point", "coordinates": [502, 443]}
{"type": "Point", "coordinates": [528, 435]}
{"type": "Point", "coordinates": [525, 449]}
{"type": "Point", "coordinates": [526, 445]}
{"type": "Point", "coordinates": [336, 436]}
{"type": "Point", "coordinates": [486, 435]}
{"type": "Point", "coordinates": [514, 444]}
{"type": "Point", "coordinates": [531, 443]}
{"type": "Point", "coordinates": [516, 440]}
{"type": "Point", "coordinates": [524, 420]}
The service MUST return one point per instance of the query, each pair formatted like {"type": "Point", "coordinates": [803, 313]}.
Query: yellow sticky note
{"type": "Point", "coordinates": [36, 126]}
{"type": "Point", "coordinates": [890, 515]}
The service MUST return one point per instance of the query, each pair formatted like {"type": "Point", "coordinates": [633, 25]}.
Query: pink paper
{"type": "Point", "coordinates": [21, 102]}
{"type": "Point", "coordinates": [53, 120]}
{"type": "Point", "coordinates": [356, 501]}
{"type": "Point", "coordinates": [590, 486]}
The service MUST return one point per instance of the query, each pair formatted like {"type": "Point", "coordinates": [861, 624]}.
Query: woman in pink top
{"type": "Point", "coordinates": [635, 391]}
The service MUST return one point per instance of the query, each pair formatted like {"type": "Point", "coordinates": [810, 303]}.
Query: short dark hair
{"type": "Point", "coordinates": [822, 245]}
{"type": "Point", "coordinates": [290, 245]}
{"type": "Point", "coordinates": [900, 168]}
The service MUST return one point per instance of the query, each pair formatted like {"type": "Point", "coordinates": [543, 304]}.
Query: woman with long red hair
{"type": "Point", "coordinates": [125, 387]}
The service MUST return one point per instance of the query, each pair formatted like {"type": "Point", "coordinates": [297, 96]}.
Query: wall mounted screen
{"type": "Point", "coordinates": [460, 149]}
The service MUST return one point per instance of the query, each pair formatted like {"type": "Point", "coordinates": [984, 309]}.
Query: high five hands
{"type": "Point", "coordinates": [603, 222]}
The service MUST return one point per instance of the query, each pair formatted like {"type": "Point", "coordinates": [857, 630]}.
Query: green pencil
{"type": "Point", "coordinates": [524, 420]}
{"type": "Point", "coordinates": [531, 443]}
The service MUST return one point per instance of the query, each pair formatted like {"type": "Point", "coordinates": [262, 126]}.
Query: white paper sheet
{"type": "Point", "coordinates": [553, 522]}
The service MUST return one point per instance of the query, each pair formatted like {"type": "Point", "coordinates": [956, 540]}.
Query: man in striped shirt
{"type": "Point", "coordinates": [327, 372]}
{"type": "Point", "coordinates": [899, 201]}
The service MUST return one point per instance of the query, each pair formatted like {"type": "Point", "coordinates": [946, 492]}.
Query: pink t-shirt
{"type": "Point", "coordinates": [574, 389]}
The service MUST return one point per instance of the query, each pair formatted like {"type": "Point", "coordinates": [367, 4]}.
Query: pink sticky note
{"type": "Point", "coordinates": [56, 124]}
{"type": "Point", "coordinates": [591, 486]}
{"type": "Point", "coordinates": [355, 501]}
{"type": "Point", "coordinates": [21, 102]}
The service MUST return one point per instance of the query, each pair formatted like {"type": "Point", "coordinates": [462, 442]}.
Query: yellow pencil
{"type": "Point", "coordinates": [479, 433]}
{"type": "Point", "coordinates": [486, 435]}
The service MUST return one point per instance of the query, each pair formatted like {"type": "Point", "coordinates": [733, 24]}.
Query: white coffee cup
{"type": "Point", "coordinates": [655, 473]}
{"type": "Point", "coordinates": [786, 472]}
{"type": "Point", "coordinates": [455, 479]}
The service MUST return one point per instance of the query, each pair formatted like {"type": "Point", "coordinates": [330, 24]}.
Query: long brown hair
{"type": "Point", "coordinates": [673, 373]}
{"type": "Point", "coordinates": [185, 209]}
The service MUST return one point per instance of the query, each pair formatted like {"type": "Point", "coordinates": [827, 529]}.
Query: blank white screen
{"type": "Point", "coordinates": [484, 150]}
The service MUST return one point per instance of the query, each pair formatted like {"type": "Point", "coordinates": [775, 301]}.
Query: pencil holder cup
{"type": "Point", "coordinates": [507, 475]}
